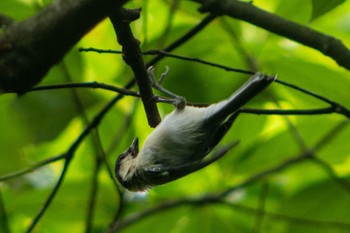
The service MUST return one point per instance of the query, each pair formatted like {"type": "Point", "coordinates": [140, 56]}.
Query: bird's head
{"type": "Point", "coordinates": [126, 169]}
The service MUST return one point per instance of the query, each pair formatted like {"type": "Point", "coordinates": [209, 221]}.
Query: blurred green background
{"type": "Point", "coordinates": [307, 196]}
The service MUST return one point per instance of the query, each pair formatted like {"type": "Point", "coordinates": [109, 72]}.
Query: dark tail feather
{"type": "Point", "coordinates": [257, 83]}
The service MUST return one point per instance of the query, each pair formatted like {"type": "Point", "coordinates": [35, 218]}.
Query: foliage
{"type": "Point", "coordinates": [288, 174]}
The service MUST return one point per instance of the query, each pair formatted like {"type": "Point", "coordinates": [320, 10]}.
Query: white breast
{"type": "Point", "coordinates": [171, 140]}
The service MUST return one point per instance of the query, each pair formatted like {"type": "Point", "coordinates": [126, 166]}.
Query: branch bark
{"type": "Point", "coordinates": [28, 49]}
{"type": "Point", "coordinates": [132, 56]}
{"type": "Point", "coordinates": [326, 44]}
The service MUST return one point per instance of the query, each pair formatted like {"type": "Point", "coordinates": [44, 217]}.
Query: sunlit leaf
{"type": "Point", "coordinates": [321, 7]}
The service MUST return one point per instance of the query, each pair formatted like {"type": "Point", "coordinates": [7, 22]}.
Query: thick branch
{"type": "Point", "coordinates": [132, 55]}
{"type": "Point", "coordinates": [324, 43]}
{"type": "Point", "coordinates": [29, 48]}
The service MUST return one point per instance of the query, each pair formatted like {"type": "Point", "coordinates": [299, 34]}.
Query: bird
{"type": "Point", "coordinates": [180, 144]}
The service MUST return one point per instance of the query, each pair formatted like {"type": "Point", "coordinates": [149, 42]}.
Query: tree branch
{"type": "Point", "coordinates": [326, 44]}
{"type": "Point", "coordinates": [132, 55]}
{"type": "Point", "coordinates": [32, 168]}
{"type": "Point", "coordinates": [28, 49]}
{"type": "Point", "coordinates": [94, 85]}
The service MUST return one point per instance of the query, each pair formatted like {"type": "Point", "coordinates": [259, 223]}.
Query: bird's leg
{"type": "Point", "coordinates": [178, 101]}
{"type": "Point", "coordinates": [158, 85]}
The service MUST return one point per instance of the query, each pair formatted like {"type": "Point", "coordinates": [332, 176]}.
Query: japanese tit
{"type": "Point", "coordinates": [179, 144]}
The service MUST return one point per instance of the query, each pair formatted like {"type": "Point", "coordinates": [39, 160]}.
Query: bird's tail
{"type": "Point", "coordinates": [257, 83]}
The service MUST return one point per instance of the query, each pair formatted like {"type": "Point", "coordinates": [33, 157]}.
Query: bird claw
{"type": "Point", "coordinates": [178, 101]}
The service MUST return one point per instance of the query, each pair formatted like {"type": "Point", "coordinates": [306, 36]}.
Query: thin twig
{"type": "Point", "coordinates": [101, 51]}
{"type": "Point", "coordinates": [317, 111]}
{"type": "Point", "coordinates": [32, 168]}
{"type": "Point", "coordinates": [87, 85]}
{"type": "Point", "coordinates": [51, 196]}
{"type": "Point", "coordinates": [164, 53]}
{"type": "Point", "coordinates": [337, 107]}
{"type": "Point", "coordinates": [197, 60]}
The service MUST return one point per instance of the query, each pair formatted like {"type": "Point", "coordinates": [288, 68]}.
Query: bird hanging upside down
{"type": "Point", "coordinates": [179, 144]}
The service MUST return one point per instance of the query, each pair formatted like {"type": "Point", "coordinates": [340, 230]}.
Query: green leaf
{"type": "Point", "coordinates": [321, 7]}
{"type": "Point", "coordinates": [295, 10]}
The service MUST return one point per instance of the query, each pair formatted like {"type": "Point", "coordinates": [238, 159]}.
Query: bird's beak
{"type": "Point", "coordinates": [134, 147]}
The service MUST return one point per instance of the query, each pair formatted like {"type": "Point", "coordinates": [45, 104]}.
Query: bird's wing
{"type": "Point", "coordinates": [166, 174]}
